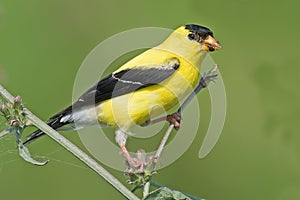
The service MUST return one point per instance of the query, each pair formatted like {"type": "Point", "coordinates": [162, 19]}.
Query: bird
{"type": "Point", "coordinates": [143, 88]}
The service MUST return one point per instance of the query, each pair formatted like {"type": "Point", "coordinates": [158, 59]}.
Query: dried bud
{"type": "Point", "coordinates": [3, 107]}
{"type": "Point", "coordinates": [10, 105]}
{"type": "Point", "coordinates": [17, 99]}
{"type": "Point", "coordinates": [14, 123]}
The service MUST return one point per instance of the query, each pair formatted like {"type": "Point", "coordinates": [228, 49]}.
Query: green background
{"type": "Point", "coordinates": [42, 44]}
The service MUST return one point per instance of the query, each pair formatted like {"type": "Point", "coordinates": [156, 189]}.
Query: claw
{"type": "Point", "coordinates": [211, 76]}
{"type": "Point", "coordinates": [154, 160]}
{"type": "Point", "coordinates": [175, 119]}
{"type": "Point", "coordinates": [141, 163]}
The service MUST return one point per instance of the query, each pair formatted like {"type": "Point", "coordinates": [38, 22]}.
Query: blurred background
{"type": "Point", "coordinates": [43, 43]}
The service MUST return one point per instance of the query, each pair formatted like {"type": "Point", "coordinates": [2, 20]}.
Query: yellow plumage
{"type": "Point", "coordinates": [137, 107]}
{"type": "Point", "coordinates": [149, 102]}
{"type": "Point", "coordinates": [144, 87]}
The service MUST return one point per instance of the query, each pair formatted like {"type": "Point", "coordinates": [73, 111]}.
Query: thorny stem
{"type": "Point", "coordinates": [72, 148]}
{"type": "Point", "coordinates": [203, 83]}
{"type": "Point", "coordinates": [161, 146]}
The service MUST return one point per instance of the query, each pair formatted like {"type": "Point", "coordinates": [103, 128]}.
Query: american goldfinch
{"type": "Point", "coordinates": [143, 88]}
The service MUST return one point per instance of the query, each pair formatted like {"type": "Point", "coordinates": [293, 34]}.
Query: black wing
{"type": "Point", "coordinates": [113, 85]}
{"type": "Point", "coordinates": [123, 82]}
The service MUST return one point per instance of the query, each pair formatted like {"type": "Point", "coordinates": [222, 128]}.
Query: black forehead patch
{"type": "Point", "coordinates": [202, 31]}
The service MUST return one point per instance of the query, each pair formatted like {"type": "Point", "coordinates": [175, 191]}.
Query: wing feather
{"type": "Point", "coordinates": [123, 82]}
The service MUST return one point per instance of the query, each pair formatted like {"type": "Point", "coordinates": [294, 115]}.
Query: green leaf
{"type": "Point", "coordinates": [165, 193]}
{"type": "Point", "coordinates": [25, 154]}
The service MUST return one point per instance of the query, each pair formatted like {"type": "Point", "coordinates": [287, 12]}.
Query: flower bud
{"type": "Point", "coordinates": [14, 123]}
{"type": "Point", "coordinates": [10, 105]}
{"type": "Point", "coordinates": [17, 99]}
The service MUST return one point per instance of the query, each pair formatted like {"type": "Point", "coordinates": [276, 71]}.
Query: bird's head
{"type": "Point", "coordinates": [191, 42]}
{"type": "Point", "coordinates": [201, 35]}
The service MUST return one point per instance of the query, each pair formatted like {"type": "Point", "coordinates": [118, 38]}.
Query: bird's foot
{"type": "Point", "coordinates": [140, 163]}
{"type": "Point", "coordinates": [210, 76]}
{"type": "Point", "coordinates": [175, 119]}
{"type": "Point", "coordinates": [136, 164]}
{"type": "Point", "coordinates": [140, 169]}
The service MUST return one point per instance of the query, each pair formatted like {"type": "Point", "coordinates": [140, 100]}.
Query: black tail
{"type": "Point", "coordinates": [36, 134]}
{"type": "Point", "coordinates": [55, 124]}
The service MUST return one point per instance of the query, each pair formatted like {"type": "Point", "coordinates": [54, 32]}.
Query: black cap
{"type": "Point", "coordinates": [201, 31]}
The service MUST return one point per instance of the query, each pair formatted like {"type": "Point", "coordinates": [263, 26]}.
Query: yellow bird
{"type": "Point", "coordinates": [143, 88]}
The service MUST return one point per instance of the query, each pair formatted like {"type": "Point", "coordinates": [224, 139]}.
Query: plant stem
{"type": "Point", "coordinates": [204, 81]}
{"type": "Point", "coordinates": [3, 133]}
{"type": "Point", "coordinates": [72, 148]}
{"type": "Point", "coordinates": [160, 148]}
{"type": "Point", "coordinates": [164, 140]}
{"type": "Point", "coordinates": [146, 189]}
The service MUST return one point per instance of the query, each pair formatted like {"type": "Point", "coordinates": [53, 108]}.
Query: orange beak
{"type": "Point", "coordinates": [210, 44]}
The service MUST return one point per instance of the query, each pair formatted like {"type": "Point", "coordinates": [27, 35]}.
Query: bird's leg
{"type": "Point", "coordinates": [208, 77]}
{"type": "Point", "coordinates": [121, 138]}
{"type": "Point", "coordinates": [175, 118]}
{"type": "Point", "coordinates": [135, 165]}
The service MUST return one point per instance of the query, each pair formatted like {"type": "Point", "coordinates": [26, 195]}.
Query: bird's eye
{"type": "Point", "coordinates": [191, 36]}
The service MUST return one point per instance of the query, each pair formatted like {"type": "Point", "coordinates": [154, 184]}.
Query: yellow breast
{"type": "Point", "coordinates": [141, 105]}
